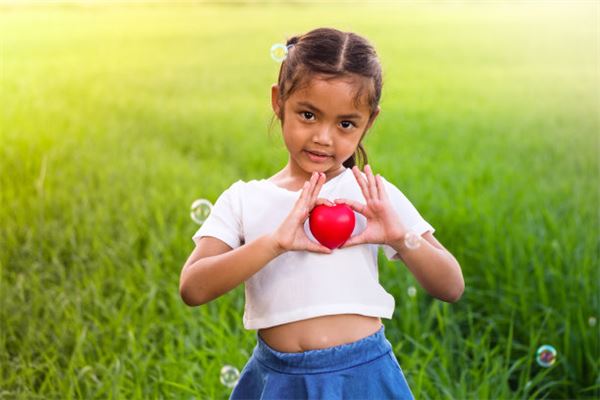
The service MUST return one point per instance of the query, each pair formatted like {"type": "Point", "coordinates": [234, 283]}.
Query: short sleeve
{"type": "Point", "coordinates": [225, 219]}
{"type": "Point", "coordinates": [408, 214]}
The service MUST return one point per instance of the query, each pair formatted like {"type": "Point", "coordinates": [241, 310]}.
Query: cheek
{"type": "Point", "coordinates": [297, 132]}
{"type": "Point", "coordinates": [293, 138]}
{"type": "Point", "coordinates": [349, 142]}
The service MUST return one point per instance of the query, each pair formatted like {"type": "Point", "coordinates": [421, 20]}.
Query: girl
{"type": "Point", "coordinates": [318, 311]}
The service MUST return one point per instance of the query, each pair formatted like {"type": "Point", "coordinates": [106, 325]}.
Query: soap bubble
{"type": "Point", "coordinates": [411, 291]}
{"type": "Point", "coordinates": [229, 376]}
{"type": "Point", "coordinates": [546, 356]}
{"type": "Point", "coordinates": [279, 52]}
{"type": "Point", "coordinates": [200, 210]}
{"type": "Point", "coordinates": [592, 321]}
{"type": "Point", "coordinates": [412, 240]}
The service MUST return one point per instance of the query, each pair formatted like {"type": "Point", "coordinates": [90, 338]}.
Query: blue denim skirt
{"type": "Point", "coordinates": [365, 369]}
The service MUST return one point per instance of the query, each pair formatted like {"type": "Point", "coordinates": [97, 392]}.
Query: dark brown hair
{"type": "Point", "coordinates": [331, 54]}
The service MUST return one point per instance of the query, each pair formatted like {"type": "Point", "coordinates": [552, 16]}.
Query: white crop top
{"type": "Point", "coordinates": [298, 285]}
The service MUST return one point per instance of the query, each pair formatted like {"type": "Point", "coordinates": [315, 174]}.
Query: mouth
{"type": "Point", "coordinates": [317, 156]}
{"type": "Point", "coordinates": [318, 153]}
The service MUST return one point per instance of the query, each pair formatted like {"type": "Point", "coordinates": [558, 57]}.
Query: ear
{"type": "Point", "coordinates": [373, 117]}
{"type": "Point", "coordinates": [275, 98]}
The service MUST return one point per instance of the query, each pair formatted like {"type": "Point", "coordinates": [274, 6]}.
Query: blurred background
{"type": "Point", "coordinates": [116, 116]}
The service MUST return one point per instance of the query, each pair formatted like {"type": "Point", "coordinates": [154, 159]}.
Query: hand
{"type": "Point", "coordinates": [291, 235]}
{"type": "Point", "coordinates": [383, 223]}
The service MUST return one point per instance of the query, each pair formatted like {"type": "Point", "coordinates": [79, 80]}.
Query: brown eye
{"type": "Point", "coordinates": [351, 124]}
{"type": "Point", "coordinates": [307, 114]}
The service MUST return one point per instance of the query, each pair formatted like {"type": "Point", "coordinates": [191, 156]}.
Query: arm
{"type": "Point", "coordinates": [214, 268]}
{"type": "Point", "coordinates": [435, 268]}
{"type": "Point", "coordinates": [205, 278]}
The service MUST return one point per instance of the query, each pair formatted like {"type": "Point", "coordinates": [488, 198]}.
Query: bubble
{"type": "Point", "coordinates": [546, 356]}
{"type": "Point", "coordinates": [412, 240]}
{"type": "Point", "coordinates": [229, 376]}
{"type": "Point", "coordinates": [200, 210]}
{"type": "Point", "coordinates": [411, 291]}
{"type": "Point", "coordinates": [592, 321]}
{"type": "Point", "coordinates": [279, 52]}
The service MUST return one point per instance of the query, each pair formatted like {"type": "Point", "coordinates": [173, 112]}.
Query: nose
{"type": "Point", "coordinates": [323, 135]}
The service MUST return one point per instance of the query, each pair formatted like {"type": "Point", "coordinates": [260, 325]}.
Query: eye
{"type": "Point", "coordinates": [307, 114]}
{"type": "Point", "coordinates": [351, 124]}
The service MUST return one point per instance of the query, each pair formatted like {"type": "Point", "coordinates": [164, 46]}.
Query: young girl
{"type": "Point", "coordinates": [318, 311]}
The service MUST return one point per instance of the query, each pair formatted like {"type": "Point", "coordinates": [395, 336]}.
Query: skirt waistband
{"type": "Point", "coordinates": [324, 360]}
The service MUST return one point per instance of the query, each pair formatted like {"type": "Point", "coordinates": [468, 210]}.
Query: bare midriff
{"type": "Point", "coordinates": [320, 332]}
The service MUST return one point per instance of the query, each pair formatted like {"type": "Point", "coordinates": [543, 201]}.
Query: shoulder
{"type": "Point", "coordinates": [241, 189]}
{"type": "Point", "coordinates": [236, 189]}
{"type": "Point", "coordinates": [232, 192]}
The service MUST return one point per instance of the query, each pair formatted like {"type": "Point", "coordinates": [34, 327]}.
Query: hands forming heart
{"type": "Point", "coordinates": [383, 223]}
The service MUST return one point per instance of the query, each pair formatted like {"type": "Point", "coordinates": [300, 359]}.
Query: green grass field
{"type": "Point", "coordinates": [115, 118]}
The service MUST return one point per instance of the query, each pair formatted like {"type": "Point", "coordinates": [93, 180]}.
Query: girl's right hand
{"type": "Point", "coordinates": [291, 235]}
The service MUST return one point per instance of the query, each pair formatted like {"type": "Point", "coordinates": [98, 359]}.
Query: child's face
{"type": "Point", "coordinates": [322, 117]}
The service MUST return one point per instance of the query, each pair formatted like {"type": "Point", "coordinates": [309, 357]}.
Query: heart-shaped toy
{"type": "Point", "coordinates": [332, 226]}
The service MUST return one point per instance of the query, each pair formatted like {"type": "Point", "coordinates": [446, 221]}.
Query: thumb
{"type": "Point", "coordinates": [319, 248]}
{"type": "Point", "coordinates": [352, 241]}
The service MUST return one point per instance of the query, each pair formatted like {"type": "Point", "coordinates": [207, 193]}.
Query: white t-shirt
{"type": "Point", "coordinates": [298, 285]}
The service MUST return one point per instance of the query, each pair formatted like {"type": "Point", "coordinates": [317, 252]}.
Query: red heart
{"type": "Point", "coordinates": [332, 226]}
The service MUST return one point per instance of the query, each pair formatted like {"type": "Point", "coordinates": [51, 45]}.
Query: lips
{"type": "Point", "coordinates": [317, 159]}
{"type": "Point", "coordinates": [316, 153]}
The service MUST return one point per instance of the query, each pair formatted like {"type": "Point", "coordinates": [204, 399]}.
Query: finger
{"type": "Point", "coordinates": [355, 205]}
{"type": "Point", "coordinates": [322, 200]}
{"type": "Point", "coordinates": [314, 180]}
{"type": "Point", "coordinates": [301, 205]}
{"type": "Point", "coordinates": [301, 202]}
{"type": "Point", "coordinates": [353, 241]}
{"type": "Point", "coordinates": [372, 183]}
{"type": "Point", "coordinates": [381, 188]}
{"type": "Point", "coordinates": [307, 190]}
{"type": "Point", "coordinates": [361, 182]}
{"type": "Point", "coordinates": [304, 192]}
{"type": "Point", "coordinates": [319, 184]}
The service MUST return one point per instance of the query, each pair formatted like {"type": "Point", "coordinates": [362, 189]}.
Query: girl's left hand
{"type": "Point", "coordinates": [383, 223]}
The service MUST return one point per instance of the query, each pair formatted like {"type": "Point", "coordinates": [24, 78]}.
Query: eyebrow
{"type": "Point", "coordinates": [308, 105]}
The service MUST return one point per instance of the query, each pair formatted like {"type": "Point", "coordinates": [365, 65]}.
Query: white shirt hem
{"type": "Point", "coordinates": [317, 311]}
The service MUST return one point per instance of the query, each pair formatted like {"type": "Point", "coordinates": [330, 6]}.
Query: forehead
{"type": "Point", "coordinates": [335, 96]}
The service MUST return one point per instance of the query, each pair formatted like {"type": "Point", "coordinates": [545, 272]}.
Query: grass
{"type": "Point", "coordinates": [115, 118]}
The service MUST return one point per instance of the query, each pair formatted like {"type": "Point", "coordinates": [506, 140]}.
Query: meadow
{"type": "Point", "coordinates": [116, 117]}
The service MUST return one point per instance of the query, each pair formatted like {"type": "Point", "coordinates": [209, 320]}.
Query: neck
{"type": "Point", "coordinates": [294, 171]}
